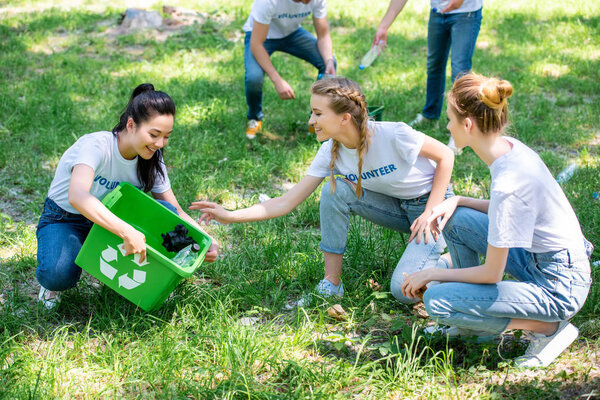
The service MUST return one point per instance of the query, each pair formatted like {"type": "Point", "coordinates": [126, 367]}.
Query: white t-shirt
{"type": "Point", "coordinates": [100, 151]}
{"type": "Point", "coordinates": [391, 165]}
{"type": "Point", "coordinates": [466, 6]}
{"type": "Point", "coordinates": [528, 208]}
{"type": "Point", "coordinates": [283, 16]}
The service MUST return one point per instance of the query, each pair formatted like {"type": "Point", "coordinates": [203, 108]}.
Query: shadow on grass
{"type": "Point", "coordinates": [51, 99]}
{"type": "Point", "coordinates": [548, 389]}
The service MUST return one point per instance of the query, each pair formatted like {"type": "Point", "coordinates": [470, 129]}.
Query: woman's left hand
{"type": "Point", "coordinates": [213, 252]}
{"type": "Point", "coordinates": [421, 228]}
{"type": "Point", "coordinates": [414, 282]}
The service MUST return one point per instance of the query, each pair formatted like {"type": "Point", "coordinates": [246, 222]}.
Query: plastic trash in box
{"type": "Point", "coordinates": [145, 284]}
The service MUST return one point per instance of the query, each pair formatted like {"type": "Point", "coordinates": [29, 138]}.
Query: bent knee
{"type": "Point", "coordinates": [254, 81]}
{"type": "Point", "coordinates": [436, 305]}
{"type": "Point", "coordinates": [57, 279]}
{"type": "Point", "coordinates": [463, 217]}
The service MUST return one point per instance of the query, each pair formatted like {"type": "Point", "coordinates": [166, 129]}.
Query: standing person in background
{"type": "Point", "coordinates": [274, 25]}
{"type": "Point", "coordinates": [393, 176]}
{"type": "Point", "coordinates": [91, 168]}
{"type": "Point", "coordinates": [527, 228]}
{"type": "Point", "coordinates": [453, 28]}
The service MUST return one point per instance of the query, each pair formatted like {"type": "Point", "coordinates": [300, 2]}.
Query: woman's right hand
{"type": "Point", "coordinates": [380, 37]}
{"type": "Point", "coordinates": [134, 242]}
{"type": "Point", "coordinates": [211, 211]}
{"type": "Point", "coordinates": [284, 90]}
{"type": "Point", "coordinates": [444, 210]}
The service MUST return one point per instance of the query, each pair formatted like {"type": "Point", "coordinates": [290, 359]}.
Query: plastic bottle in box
{"type": "Point", "coordinates": [187, 255]}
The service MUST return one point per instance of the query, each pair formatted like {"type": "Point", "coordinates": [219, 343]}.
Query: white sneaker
{"type": "Point", "coordinates": [543, 350]}
{"type": "Point", "coordinates": [455, 332]}
{"type": "Point", "coordinates": [421, 120]}
{"type": "Point", "coordinates": [324, 289]}
{"type": "Point", "coordinates": [48, 298]}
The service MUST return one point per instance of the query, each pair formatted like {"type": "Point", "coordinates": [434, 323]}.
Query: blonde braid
{"type": "Point", "coordinates": [335, 145]}
{"type": "Point", "coordinates": [359, 99]}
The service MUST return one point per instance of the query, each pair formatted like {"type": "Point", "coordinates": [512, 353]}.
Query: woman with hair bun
{"type": "Point", "coordinates": [527, 229]}
{"type": "Point", "coordinates": [392, 176]}
{"type": "Point", "coordinates": [92, 167]}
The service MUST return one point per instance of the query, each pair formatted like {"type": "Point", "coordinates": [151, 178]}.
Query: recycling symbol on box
{"type": "Point", "coordinates": [109, 255]}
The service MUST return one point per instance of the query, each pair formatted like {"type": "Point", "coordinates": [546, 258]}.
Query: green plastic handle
{"type": "Point", "coordinates": [112, 197]}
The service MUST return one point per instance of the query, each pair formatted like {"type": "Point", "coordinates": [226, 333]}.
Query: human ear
{"type": "Point", "coordinates": [130, 124]}
{"type": "Point", "coordinates": [346, 118]}
{"type": "Point", "coordinates": [468, 123]}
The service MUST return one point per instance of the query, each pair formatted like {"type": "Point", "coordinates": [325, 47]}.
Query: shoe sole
{"type": "Point", "coordinates": [570, 332]}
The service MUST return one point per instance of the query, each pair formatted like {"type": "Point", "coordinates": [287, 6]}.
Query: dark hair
{"type": "Point", "coordinates": [483, 99]}
{"type": "Point", "coordinates": [145, 103]}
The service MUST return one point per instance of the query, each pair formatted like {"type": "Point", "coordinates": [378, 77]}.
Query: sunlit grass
{"type": "Point", "coordinates": [224, 333]}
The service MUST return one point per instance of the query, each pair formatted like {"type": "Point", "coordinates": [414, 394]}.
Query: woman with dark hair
{"type": "Point", "coordinates": [93, 166]}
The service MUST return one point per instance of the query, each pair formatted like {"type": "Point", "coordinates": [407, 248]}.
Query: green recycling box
{"type": "Point", "coordinates": [145, 284]}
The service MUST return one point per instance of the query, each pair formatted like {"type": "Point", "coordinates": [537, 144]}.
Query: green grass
{"type": "Point", "coordinates": [64, 74]}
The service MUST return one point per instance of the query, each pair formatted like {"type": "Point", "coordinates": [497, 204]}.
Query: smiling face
{"type": "Point", "coordinates": [326, 122]}
{"type": "Point", "coordinates": [146, 138]}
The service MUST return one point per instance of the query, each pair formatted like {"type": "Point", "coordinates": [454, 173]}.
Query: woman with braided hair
{"type": "Point", "coordinates": [391, 175]}
{"type": "Point", "coordinates": [527, 228]}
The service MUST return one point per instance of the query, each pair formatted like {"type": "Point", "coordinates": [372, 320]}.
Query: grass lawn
{"type": "Point", "coordinates": [64, 72]}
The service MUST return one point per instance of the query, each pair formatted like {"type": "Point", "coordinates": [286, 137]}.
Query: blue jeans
{"type": "Point", "coordinates": [548, 286]}
{"type": "Point", "coordinates": [60, 235]}
{"type": "Point", "coordinates": [390, 212]}
{"type": "Point", "coordinates": [448, 33]}
{"type": "Point", "coordinates": [300, 43]}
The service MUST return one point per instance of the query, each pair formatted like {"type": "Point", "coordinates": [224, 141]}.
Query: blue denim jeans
{"type": "Point", "coordinates": [60, 235]}
{"type": "Point", "coordinates": [390, 212]}
{"type": "Point", "coordinates": [448, 33]}
{"type": "Point", "coordinates": [548, 287]}
{"type": "Point", "coordinates": [300, 43]}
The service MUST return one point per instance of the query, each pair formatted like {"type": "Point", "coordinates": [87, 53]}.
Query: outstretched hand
{"type": "Point", "coordinates": [211, 211]}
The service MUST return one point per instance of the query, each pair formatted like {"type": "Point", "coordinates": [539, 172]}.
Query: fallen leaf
{"type": "Point", "coordinates": [374, 285]}
{"type": "Point", "coordinates": [336, 311]}
{"type": "Point", "coordinates": [420, 311]}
